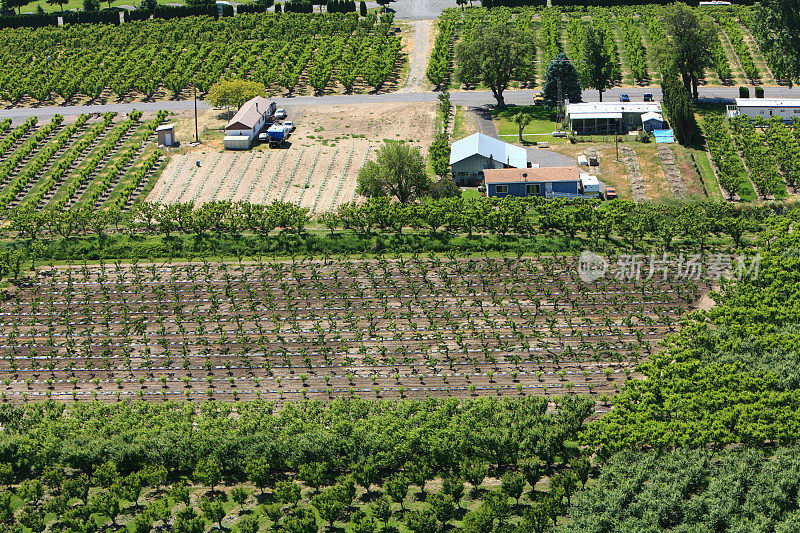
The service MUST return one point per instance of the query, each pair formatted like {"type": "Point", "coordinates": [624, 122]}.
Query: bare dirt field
{"type": "Point", "coordinates": [318, 169]}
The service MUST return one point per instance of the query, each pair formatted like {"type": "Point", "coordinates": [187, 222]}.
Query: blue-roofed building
{"type": "Point", "coordinates": [470, 156]}
{"type": "Point", "coordinates": [548, 182]}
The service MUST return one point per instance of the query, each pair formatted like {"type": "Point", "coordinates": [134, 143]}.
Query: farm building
{"type": "Point", "coordinates": [470, 156]}
{"type": "Point", "coordinates": [166, 135]}
{"type": "Point", "coordinates": [245, 125]}
{"type": "Point", "coordinates": [610, 117]}
{"type": "Point", "coordinates": [550, 182]}
{"type": "Point", "coordinates": [788, 109]}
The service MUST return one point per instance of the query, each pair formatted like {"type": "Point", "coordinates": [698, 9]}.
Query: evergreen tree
{"type": "Point", "coordinates": [677, 105]}
{"type": "Point", "coordinates": [561, 68]}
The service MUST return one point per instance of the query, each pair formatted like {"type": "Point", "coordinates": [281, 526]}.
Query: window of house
{"type": "Point", "coordinates": [797, 110]}
{"type": "Point", "coordinates": [532, 188]}
{"type": "Point", "coordinates": [501, 189]}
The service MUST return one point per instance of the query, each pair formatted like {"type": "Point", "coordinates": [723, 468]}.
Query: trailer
{"type": "Point", "coordinates": [277, 136]}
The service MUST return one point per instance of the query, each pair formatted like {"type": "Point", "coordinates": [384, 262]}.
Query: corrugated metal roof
{"type": "Point", "coordinates": [531, 175]}
{"type": "Point", "coordinates": [481, 144]}
{"type": "Point", "coordinates": [768, 102]}
{"type": "Point", "coordinates": [603, 114]}
{"type": "Point", "coordinates": [614, 107]}
{"type": "Point", "coordinates": [249, 114]}
{"type": "Point", "coordinates": [652, 116]}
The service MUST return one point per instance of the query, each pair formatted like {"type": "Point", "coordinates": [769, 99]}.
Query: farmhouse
{"type": "Point", "coordinates": [787, 109]}
{"type": "Point", "coordinates": [245, 125]}
{"type": "Point", "coordinates": [470, 156]}
{"type": "Point", "coordinates": [549, 182]}
{"type": "Point", "coordinates": [610, 117]}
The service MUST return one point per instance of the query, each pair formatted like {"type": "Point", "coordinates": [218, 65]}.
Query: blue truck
{"type": "Point", "coordinates": [277, 135]}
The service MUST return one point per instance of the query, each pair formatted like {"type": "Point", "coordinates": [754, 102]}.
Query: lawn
{"type": "Point", "coordinates": [540, 128]}
{"type": "Point", "coordinates": [75, 5]}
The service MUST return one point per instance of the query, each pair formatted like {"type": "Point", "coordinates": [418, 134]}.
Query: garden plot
{"type": "Point", "coordinates": [287, 331]}
{"type": "Point", "coordinates": [318, 177]}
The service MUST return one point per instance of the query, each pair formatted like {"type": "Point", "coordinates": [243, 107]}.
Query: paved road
{"type": "Point", "coordinates": [469, 98]}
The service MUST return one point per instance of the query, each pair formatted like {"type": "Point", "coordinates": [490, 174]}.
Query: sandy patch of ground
{"type": "Point", "coordinates": [318, 170]}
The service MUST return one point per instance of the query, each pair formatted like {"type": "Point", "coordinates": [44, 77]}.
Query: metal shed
{"type": "Point", "coordinates": [166, 135]}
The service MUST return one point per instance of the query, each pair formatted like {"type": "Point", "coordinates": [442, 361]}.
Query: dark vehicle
{"type": "Point", "coordinates": [624, 98]}
{"type": "Point", "coordinates": [648, 97]}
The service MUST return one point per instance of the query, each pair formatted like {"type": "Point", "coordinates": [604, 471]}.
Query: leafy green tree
{"type": "Point", "coordinates": [497, 503]}
{"type": "Point", "coordinates": [239, 496]}
{"type": "Point", "coordinates": [439, 155]}
{"type": "Point", "coordinates": [396, 487]}
{"type": "Point", "coordinates": [234, 93]}
{"type": "Point", "coordinates": [479, 520]}
{"type": "Point", "coordinates": [444, 188]}
{"type": "Point", "coordinates": [362, 8]}
{"type": "Point", "coordinates": [775, 22]}
{"type": "Point", "coordinates": [561, 68]}
{"type": "Point", "coordinates": [107, 504]}
{"type": "Point", "coordinates": [213, 511]}
{"type": "Point", "coordinates": [382, 510]}
{"type": "Point", "coordinates": [10, 5]}
{"type": "Point", "coordinates": [248, 524]}
{"type": "Point", "coordinates": [187, 521]}
{"type": "Point", "coordinates": [180, 492]}
{"type": "Point", "coordinates": [495, 55]}
{"type": "Point", "coordinates": [443, 507]}
{"type": "Point", "coordinates": [454, 487]}
{"type": "Point", "coordinates": [32, 518]}
{"type": "Point", "coordinates": [398, 171]}
{"type": "Point", "coordinates": [329, 505]}
{"type": "Point", "coordinates": [31, 491]}
{"type": "Point", "coordinates": [512, 485]}
{"type": "Point", "coordinates": [6, 474]}
{"type": "Point", "coordinates": [6, 510]}
{"type": "Point", "coordinates": [689, 49]}
{"type": "Point", "coordinates": [422, 521]}
{"type": "Point", "coordinates": [287, 492]}
{"type": "Point", "coordinates": [532, 470]}
{"type": "Point", "coordinates": [259, 472]}
{"type": "Point", "coordinates": [598, 62]}
{"type": "Point", "coordinates": [365, 474]}
{"type": "Point", "coordinates": [475, 472]}
{"type": "Point", "coordinates": [582, 466]}
{"type": "Point", "coordinates": [536, 518]}
{"type": "Point", "coordinates": [91, 5]}
{"type": "Point", "coordinates": [299, 521]}
{"type": "Point", "coordinates": [208, 472]}
{"type": "Point", "coordinates": [360, 522]}
{"type": "Point", "coordinates": [521, 119]}
{"type": "Point", "coordinates": [59, 3]}
{"type": "Point", "coordinates": [314, 475]}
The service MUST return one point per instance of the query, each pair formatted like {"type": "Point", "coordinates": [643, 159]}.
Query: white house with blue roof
{"type": "Point", "coordinates": [470, 156]}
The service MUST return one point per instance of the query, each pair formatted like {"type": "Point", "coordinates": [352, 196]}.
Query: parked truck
{"type": "Point", "coordinates": [277, 135]}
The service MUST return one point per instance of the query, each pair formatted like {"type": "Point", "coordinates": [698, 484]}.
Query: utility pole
{"type": "Point", "coordinates": [196, 134]}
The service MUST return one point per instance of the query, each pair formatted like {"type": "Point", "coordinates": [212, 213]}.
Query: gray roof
{"type": "Point", "coordinates": [249, 114]}
{"type": "Point", "coordinates": [481, 144]}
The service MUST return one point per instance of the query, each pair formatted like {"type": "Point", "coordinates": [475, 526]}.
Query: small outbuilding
{"type": "Point", "coordinates": [246, 124]}
{"type": "Point", "coordinates": [652, 121]}
{"type": "Point", "coordinates": [471, 156]}
{"type": "Point", "coordinates": [549, 182]}
{"type": "Point", "coordinates": [166, 135]}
